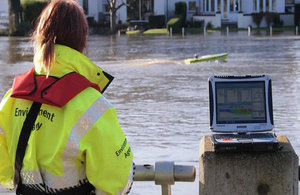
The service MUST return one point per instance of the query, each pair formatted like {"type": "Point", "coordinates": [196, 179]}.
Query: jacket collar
{"type": "Point", "coordinates": [68, 60]}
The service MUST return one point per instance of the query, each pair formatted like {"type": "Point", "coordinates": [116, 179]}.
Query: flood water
{"type": "Point", "coordinates": [162, 104]}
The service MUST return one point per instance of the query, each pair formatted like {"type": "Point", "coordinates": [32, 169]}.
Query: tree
{"type": "Point", "coordinates": [114, 6]}
{"type": "Point", "coordinates": [14, 8]}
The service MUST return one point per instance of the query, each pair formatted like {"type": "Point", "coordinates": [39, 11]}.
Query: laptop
{"type": "Point", "coordinates": [241, 113]}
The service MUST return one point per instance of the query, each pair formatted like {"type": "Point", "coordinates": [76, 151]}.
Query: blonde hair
{"type": "Point", "coordinates": [61, 22]}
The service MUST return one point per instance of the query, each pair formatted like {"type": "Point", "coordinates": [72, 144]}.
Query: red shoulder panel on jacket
{"type": "Point", "coordinates": [50, 90]}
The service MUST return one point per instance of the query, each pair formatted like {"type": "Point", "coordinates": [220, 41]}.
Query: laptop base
{"type": "Point", "coordinates": [243, 145]}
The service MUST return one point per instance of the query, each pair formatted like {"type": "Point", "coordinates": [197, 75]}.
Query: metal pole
{"type": "Point", "coordinates": [171, 31]}
{"type": "Point", "coordinates": [166, 189]}
{"type": "Point", "coordinates": [204, 31]}
{"type": "Point", "coordinates": [140, 10]}
{"type": "Point", "coordinates": [296, 30]}
{"type": "Point", "coordinates": [271, 31]}
{"type": "Point", "coordinates": [182, 31]}
{"type": "Point", "coordinates": [165, 173]}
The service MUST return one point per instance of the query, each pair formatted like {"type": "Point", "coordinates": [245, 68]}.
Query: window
{"type": "Point", "coordinates": [212, 5]}
{"type": "Point", "coordinates": [231, 5]}
{"type": "Point", "coordinates": [192, 6]}
{"type": "Point", "coordinates": [273, 5]}
{"type": "Point", "coordinates": [219, 5]}
{"type": "Point", "coordinates": [261, 6]}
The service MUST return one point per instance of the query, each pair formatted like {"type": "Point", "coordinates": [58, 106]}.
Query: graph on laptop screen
{"type": "Point", "coordinates": [240, 102]}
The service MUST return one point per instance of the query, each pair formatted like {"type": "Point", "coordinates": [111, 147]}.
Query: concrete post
{"type": "Point", "coordinates": [249, 31]}
{"type": "Point", "coordinates": [259, 173]}
{"type": "Point", "coordinates": [227, 31]}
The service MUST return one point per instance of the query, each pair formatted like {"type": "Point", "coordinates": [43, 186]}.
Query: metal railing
{"type": "Point", "coordinates": [165, 173]}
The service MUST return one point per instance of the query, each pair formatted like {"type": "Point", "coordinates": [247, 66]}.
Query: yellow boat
{"type": "Point", "coordinates": [221, 56]}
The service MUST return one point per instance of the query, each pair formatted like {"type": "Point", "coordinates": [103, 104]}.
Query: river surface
{"type": "Point", "coordinates": [162, 104]}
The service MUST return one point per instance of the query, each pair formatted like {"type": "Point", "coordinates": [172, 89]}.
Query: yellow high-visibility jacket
{"type": "Point", "coordinates": [79, 141]}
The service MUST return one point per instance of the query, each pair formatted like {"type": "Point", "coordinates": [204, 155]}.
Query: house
{"type": "Point", "coordinates": [217, 12]}
{"type": "Point", "coordinates": [99, 10]}
{"type": "Point", "coordinates": [239, 12]}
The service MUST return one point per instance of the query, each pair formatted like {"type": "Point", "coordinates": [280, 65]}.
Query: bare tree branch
{"type": "Point", "coordinates": [108, 2]}
{"type": "Point", "coordinates": [120, 6]}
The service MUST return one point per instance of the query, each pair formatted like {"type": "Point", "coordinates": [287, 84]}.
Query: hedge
{"type": "Point", "coordinates": [180, 10]}
{"type": "Point", "coordinates": [176, 24]}
{"type": "Point", "coordinates": [297, 14]}
{"type": "Point", "coordinates": [32, 9]}
{"type": "Point", "coordinates": [157, 21]}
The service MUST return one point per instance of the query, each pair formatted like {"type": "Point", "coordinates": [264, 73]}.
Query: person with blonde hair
{"type": "Point", "coordinates": [58, 133]}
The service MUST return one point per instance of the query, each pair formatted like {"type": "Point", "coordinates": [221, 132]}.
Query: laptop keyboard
{"type": "Point", "coordinates": [244, 136]}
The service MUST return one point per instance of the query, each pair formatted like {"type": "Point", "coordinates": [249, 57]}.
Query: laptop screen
{"type": "Point", "coordinates": [240, 104]}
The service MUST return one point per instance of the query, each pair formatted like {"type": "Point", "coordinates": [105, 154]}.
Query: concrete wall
{"type": "Point", "coordinates": [245, 20]}
{"type": "Point", "coordinates": [215, 20]}
{"type": "Point", "coordinates": [288, 19]}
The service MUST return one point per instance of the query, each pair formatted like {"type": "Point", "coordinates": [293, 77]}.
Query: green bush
{"type": "Point", "coordinates": [157, 21]}
{"type": "Point", "coordinates": [23, 29]}
{"type": "Point", "coordinates": [276, 20]}
{"type": "Point", "coordinates": [32, 9]}
{"type": "Point", "coordinates": [180, 10]}
{"type": "Point", "coordinates": [269, 18]}
{"type": "Point", "coordinates": [176, 24]}
{"type": "Point", "coordinates": [198, 24]}
{"type": "Point", "coordinates": [297, 14]}
{"type": "Point", "coordinates": [257, 18]}
{"type": "Point", "coordinates": [209, 25]}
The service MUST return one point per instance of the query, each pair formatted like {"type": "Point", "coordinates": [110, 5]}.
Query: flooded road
{"type": "Point", "coordinates": [162, 104]}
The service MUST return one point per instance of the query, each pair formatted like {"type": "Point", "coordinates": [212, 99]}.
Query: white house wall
{"type": "Point", "coordinates": [288, 19]}
{"type": "Point", "coordinates": [94, 8]}
{"type": "Point", "coordinates": [159, 7]}
{"type": "Point", "coordinates": [247, 6]}
{"type": "Point", "coordinates": [122, 14]}
{"type": "Point", "coordinates": [280, 6]}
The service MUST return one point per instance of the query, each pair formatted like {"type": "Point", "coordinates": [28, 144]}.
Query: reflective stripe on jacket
{"type": "Point", "coordinates": [79, 141]}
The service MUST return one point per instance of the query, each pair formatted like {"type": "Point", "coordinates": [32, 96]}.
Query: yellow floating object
{"type": "Point", "coordinates": [221, 56]}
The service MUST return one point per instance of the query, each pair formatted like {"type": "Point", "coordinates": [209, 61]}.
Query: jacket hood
{"type": "Point", "coordinates": [68, 60]}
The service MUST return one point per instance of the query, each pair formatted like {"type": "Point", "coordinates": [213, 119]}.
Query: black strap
{"type": "Point", "coordinates": [23, 140]}
{"type": "Point", "coordinates": [86, 188]}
